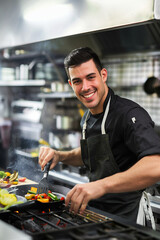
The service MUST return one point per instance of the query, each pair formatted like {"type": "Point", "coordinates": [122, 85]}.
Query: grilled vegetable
{"type": "Point", "coordinates": [31, 192]}
{"type": "Point", "coordinates": [53, 197]}
{"type": "Point", "coordinates": [2, 174]}
{"type": "Point", "coordinates": [22, 179]}
{"type": "Point", "coordinates": [13, 176]}
{"type": "Point", "coordinates": [34, 189]}
{"type": "Point", "coordinates": [3, 191]}
{"type": "Point", "coordinates": [42, 197]}
{"type": "Point", "coordinates": [29, 196]}
{"type": "Point", "coordinates": [8, 174]}
{"type": "Point", "coordinates": [43, 200]}
{"type": "Point", "coordinates": [15, 182]}
{"type": "Point", "coordinates": [6, 198]}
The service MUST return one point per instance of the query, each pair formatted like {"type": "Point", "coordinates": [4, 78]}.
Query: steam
{"type": "Point", "coordinates": [26, 166]}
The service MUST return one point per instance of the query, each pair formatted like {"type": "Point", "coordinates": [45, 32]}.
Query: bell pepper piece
{"type": "Point", "coordinates": [43, 200]}
{"type": "Point", "coordinates": [14, 183]}
{"type": "Point", "coordinates": [5, 181]}
{"type": "Point", "coordinates": [7, 174]}
{"type": "Point", "coordinates": [34, 189]}
{"type": "Point", "coordinates": [29, 196]}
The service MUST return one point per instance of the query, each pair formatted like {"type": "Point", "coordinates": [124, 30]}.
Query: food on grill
{"type": "Point", "coordinates": [6, 177]}
{"type": "Point", "coordinates": [13, 176]}
{"type": "Point", "coordinates": [7, 199]}
{"type": "Point", "coordinates": [42, 197]}
{"type": "Point", "coordinates": [22, 179]}
{"type": "Point", "coordinates": [10, 178]}
{"type": "Point", "coordinates": [2, 174]}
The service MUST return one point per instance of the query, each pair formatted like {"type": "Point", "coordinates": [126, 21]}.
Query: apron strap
{"type": "Point", "coordinates": [105, 117]}
{"type": "Point", "coordinates": [103, 121]}
{"type": "Point", "coordinates": [85, 126]}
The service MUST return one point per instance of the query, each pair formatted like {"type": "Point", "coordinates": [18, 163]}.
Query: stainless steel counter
{"type": "Point", "coordinates": [155, 203]}
{"type": "Point", "coordinates": [70, 178]}
{"type": "Point", "coordinates": [11, 233]}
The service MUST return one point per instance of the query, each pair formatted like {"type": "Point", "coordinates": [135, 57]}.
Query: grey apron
{"type": "Point", "coordinates": [99, 160]}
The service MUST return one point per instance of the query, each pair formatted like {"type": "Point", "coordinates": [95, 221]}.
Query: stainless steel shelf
{"type": "Point", "coordinates": [68, 177]}
{"type": "Point", "coordinates": [57, 95]}
{"type": "Point", "coordinates": [19, 83]}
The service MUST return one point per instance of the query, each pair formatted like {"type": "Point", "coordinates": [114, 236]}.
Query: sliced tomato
{"type": "Point", "coordinates": [49, 198]}
{"type": "Point", "coordinates": [62, 199]}
{"type": "Point", "coordinates": [23, 179]}
{"type": "Point", "coordinates": [43, 195]}
{"type": "Point", "coordinates": [37, 196]}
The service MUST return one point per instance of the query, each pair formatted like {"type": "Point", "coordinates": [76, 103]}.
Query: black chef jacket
{"type": "Point", "coordinates": [130, 128]}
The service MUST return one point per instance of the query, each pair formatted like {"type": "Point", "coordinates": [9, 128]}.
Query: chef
{"type": "Point", "coordinates": [119, 146]}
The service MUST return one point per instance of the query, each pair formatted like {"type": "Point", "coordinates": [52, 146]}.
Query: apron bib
{"type": "Point", "coordinates": [99, 160]}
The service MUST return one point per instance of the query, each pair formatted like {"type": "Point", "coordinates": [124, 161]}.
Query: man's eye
{"type": "Point", "coordinates": [76, 82]}
{"type": "Point", "coordinates": [91, 77]}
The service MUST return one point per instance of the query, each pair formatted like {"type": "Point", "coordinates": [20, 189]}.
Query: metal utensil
{"type": "Point", "coordinates": [43, 186]}
{"type": "Point", "coordinates": [12, 190]}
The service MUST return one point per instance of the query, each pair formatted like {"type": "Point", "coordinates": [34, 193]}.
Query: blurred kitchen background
{"type": "Point", "coordinates": [37, 106]}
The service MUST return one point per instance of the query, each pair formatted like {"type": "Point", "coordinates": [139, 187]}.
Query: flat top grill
{"type": "Point", "coordinates": [58, 223]}
{"type": "Point", "coordinates": [44, 221]}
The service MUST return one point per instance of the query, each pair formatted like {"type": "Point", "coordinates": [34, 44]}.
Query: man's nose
{"type": "Point", "coordinates": [85, 85]}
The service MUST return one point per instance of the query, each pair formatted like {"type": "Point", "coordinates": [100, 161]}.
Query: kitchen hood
{"type": "Point", "coordinates": [109, 26]}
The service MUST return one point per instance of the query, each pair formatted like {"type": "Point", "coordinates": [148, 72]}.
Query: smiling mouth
{"type": "Point", "coordinates": [88, 95]}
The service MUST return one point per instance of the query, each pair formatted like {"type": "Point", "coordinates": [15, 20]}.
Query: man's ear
{"type": "Point", "coordinates": [104, 74]}
{"type": "Point", "coordinates": [69, 81]}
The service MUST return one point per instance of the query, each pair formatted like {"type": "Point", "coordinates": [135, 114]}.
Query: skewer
{"type": "Point", "coordinates": [92, 216]}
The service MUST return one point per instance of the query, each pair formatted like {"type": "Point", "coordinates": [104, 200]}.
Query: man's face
{"type": "Point", "coordinates": [89, 85]}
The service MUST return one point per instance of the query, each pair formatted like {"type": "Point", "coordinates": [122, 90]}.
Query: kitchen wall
{"type": "Point", "coordinates": [127, 74]}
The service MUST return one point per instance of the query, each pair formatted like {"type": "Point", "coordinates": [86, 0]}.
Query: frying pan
{"type": "Point", "coordinates": [22, 189]}
{"type": "Point", "coordinates": [36, 205]}
{"type": "Point", "coordinates": [58, 190]}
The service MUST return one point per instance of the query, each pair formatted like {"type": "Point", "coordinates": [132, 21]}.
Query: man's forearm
{"type": "Point", "coordinates": [72, 157]}
{"type": "Point", "coordinates": [144, 173]}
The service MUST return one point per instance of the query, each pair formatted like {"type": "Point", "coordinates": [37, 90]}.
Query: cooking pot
{"type": "Point", "coordinates": [63, 122]}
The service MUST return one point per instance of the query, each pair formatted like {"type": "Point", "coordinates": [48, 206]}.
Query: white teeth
{"type": "Point", "coordinates": [88, 96]}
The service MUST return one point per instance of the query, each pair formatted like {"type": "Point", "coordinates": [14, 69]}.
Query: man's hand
{"type": "Point", "coordinates": [81, 194]}
{"type": "Point", "coordinates": [46, 154]}
{"type": "Point", "coordinates": [72, 157]}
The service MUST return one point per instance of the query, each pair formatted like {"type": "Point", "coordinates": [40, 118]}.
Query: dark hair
{"type": "Point", "coordinates": [79, 56]}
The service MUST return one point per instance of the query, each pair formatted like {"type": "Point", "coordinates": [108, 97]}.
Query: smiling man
{"type": "Point", "coordinates": [119, 146]}
{"type": "Point", "coordinates": [89, 85]}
